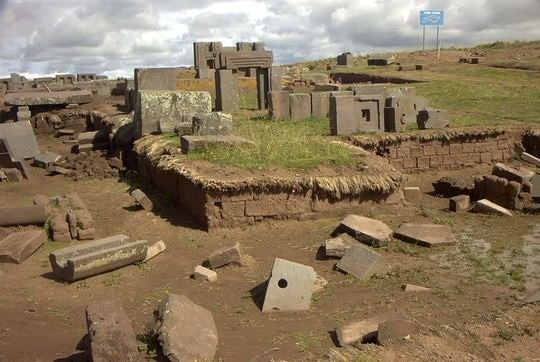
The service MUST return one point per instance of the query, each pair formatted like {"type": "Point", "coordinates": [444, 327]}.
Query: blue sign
{"type": "Point", "coordinates": [431, 17]}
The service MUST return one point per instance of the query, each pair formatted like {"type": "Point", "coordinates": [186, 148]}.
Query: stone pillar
{"type": "Point", "coordinates": [320, 104]}
{"type": "Point", "coordinates": [300, 105]}
{"type": "Point", "coordinates": [278, 104]}
{"type": "Point", "coordinates": [226, 91]}
{"type": "Point", "coordinates": [275, 76]}
{"type": "Point", "coordinates": [342, 115]}
{"type": "Point", "coordinates": [263, 86]}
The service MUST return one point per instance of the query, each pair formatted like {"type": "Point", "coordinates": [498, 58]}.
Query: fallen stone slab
{"type": "Point", "coordinates": [366, 230]}
{"type": "Point", "coordinates": [198, 143]}
{"type": "Point", "coordinates": [355, 332]}
{"type": "Point", "coordinates": [429, 235]}
{"type": "Point", "coordinates": [95, 257]}
{"type": "Point", "coordinates": [202, 273]}
{"type": "Point", "coordinates": [509, 173]}
{"type": "Point", "coordinates": [290, 287]}
{"type": "Point", "coordinates": [338, 246]}
{"type": "Point", "coordinates": [459, 203]}
{"type": "Point", "coordinates": [527, 157]}
{"type": "Point", "coordinates": [18, 246]}
{"type": "Point", "coordinates": [65, 132]}
{"type": "Point", "coordinates": [46, 159]}
{"type": "Point", "coordinates": [186, 331]}
{"type": "Point", "coordinates": [58, 170]}
{"type": "Point", "coordinates": [19, 139]}
{"type": "Point", "coordinates": [396, 328]}
{"type": "Point", "coordinates": [414, 288]}
{"type": "Point", "coordinates": [26, 215]}
{"type": "Point", "coordinates": [155, 249]}
{"type": "Point", "coordinates": [362, 262]}
{"type": "Point", "coordinates": [490, 207]}
{"type": "Point", "coordinates": [225, 255]}
{"type": "Point", "coordinates": [48, 98]}
{"type": "Point", "coordinates": [143, 200]}
{"type": "Point", "coordinates": [111, 336]}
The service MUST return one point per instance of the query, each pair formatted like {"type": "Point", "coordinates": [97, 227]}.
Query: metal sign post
{"type": "Point", "coordinates": [431, 18]}
{"type": "Point", "coordinates": [423, 38]}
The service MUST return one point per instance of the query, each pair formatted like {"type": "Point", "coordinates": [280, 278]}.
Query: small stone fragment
{"type": "Point", "coordinates": [202, 273]}
{"type": "Point", "coordinates": [412, 194]}
{"type": "Point", "coordinates": [155, 249]}
{"type": "Point", "coordinates": [143, 200]}
{"type": "Point", "coordinates": [320, 284]}
{"type": "Point", "coordinates": [459, 203]}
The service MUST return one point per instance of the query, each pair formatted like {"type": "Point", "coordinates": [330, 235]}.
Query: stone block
{"type": "Point", "coordinates": [215, 123]}
{"type": "Point", "coordinates": [300, 106]}
{"type": "Point", "coordinates": [202, 273]}
{"type": "Point", "coordinates": [53, 169]}
{"type": "Point", "coordinates": [431, 118]}
{"type": "Point", "coordinates": [369, 89]}
{"type": "Point", "coordinates": [320, 104]}
{"type": "Point", "coordinates": [161, 111]}
{"type": "Point", "coordinates": [278, 104]}
{"type": "Point", "coordinates": [75, 202]}
{"type": "Point", "coordinates": [226, 91]}
{"type": "Point", "coordinates": [290, 287]}
{"type": "Point", "coordinates": [412, 194]}
{"type": "Point", "coordinates": [154, 250]}
{"type": "Point", "coordinates": [143, 200]}
{"type": "Point", "coordinates": [19, 140]}
{"type": "Point", "coordinates": [409, 288]}
{"type": "Point", "coordinates": [490, 207]}
{"type": "Point", "coordinates": [48, 98]}
{"type": "Point", "coordinates": [23, 109]}
{"type": "Point", "coordinates": [429, 235]}
{"type": "Point", "coordinates": [509, 173]}
{"type": "Point", "coordinates": [86, 234]}
{"type": "Point", "coordinates": [185, 330]}
{"type": "Point", "coordinates": [459, 203]}
{"type": "Point", "coordinates": [225, 255]}
{"type": "Point", "coordinates": [18, 246]}
{"type": "Point", "coordinates": [198, 143]}
{"type": "Point", "coordinates": [361, 262]}
{"type": "Point", "coordinates": [95, 257]}
{"type": "Point", "coordinates": [13, 174]}
{"type": "Point", "coordinates": [72, 223]}
{"type": "Point", "coordinates": [46, 159]}
{"type": "Point", "coordinates": [527, 157]}
{"type": "Point", "coordinates": [60, 227]}
{"type": "Point", "coordinates": [110, 333]}
{"type": "Point", "coordinates": [366, 230]}
{"type": "Point", "coordinates": [23, 115]}
{"type": "Point", "coordinates": [357, 332]}
{"type": "Point", "coordinates": [26, 215]}
{"type": "Point", "coordinates": [394, 120]}
{"type": "Point", "coordinates": [338, 246]}
{"type": "Point", "coordinates": [84, 219]}
{"type": "Point", "coordinates": [395, 329]}
{"type": "Point", "coordinates": [345, 59]}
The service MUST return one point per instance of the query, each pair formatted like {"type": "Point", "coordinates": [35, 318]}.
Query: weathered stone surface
{"type": "Point", "coordinates": [59, 227]}
{"type": "Point", "coordinates": [459, 203]}
{"type": "Point", "coordinates": [320, 104]}
{"type": "Point", "coordinates": [396, 328]}
{"type": "Point", "coordinates": [185, 330]}
{"type": "Point", "coordinates": [509, 173]}
{"type": "Point", "coordinates": [196, 143]}
{"type": "Point", "coordinates": [354, 332]}
{"type": "Point", "coordinates": [300, 106]}
{"type": "Point", "coordinates": [320, 284]}
{"type": "Point", "coordinates": [225, 255]}
{"type": "Point", "coordinates": [84, 219]}
{"type": "Point", "coordinates": [18, 246]}
{"type": "Point", "coordinates": [46, 159]}
{"type": "Point", "coordinates": [111, 336]}
{"type": "Point", "coordinates": [154, 250]}
{"type": "Point", "coordinates": [430, 118]}
{"type": "Point", "coordinates": [160, 111]}
{"type": "Point", "coordinates": [366, 230]}
{"type": "Point", "coordinates": [450, 187]}
{"type": "Point", "coordinates": [412, 194]}
{"type": "Point", "coordinates": [75, 202]}
{"type": "Point", "coordinates": [58, 170]}
{"type": "Point", "coordinates": [95, 257]}
{"type": "Point", "coordinates": [414, 288]}
{"type": "Point", "coordinates": [338, 246]}
{"type": "Point", "coordinates": [290, 287]}
{"type": "Point", "coordinates": [202, 273]}
{"type": "Point", "coordinates": [143, 200]}
{"type": "Point", "coordinates": [362, 262]}
{"type": "Point", "coordinates": [215, 123]}
{"type": "Point", "coordinates": [72, 223]}
{"type": "Point", "coordinates": [490, 207]}
{"type": "Point", "coordinates": [429, 235]}
{"type": "Point", "coordinates": [48, 98]}
{"type": "Point", "coordinates": [227, 95]}
{"type": "Point", "coordinates": [26, 215]}
{"type": "Point", "coordinates": [19, 139]}
{"type": "Point", "coordinates": [527, 157]}
{"type": "Point", "coordinates": [13, 174]}
{"type": "Point", "coordinates": [278, 105]}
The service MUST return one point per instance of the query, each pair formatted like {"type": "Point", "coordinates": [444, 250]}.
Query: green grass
{"type": "Point", "coordinates": [286, 144]}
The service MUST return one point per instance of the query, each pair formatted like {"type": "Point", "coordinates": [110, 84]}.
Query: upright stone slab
{"type": "Point", "coordinates": [111, 336]}
{"type": "Point", "coordinates": [290, 287]}
{"type": "Point", "coordinates": [362, 262]}
{"type": "Point", "coordinates": [429, 235]}
{"type": "Point", "coordinates": [535, 192]}
{"type": "Point", "coordinates": [263, 87]}
{"type": "Point", "coordinates": [278, 104]}
{"type": "Point", "coordinates": [226, 91]}
{"type": "Point", "coordinates": [18, 246]}
{"type": "Point", "coordinates": [366, 230]}
{"type": "Point", "coordinates": [186, 331]}
{"type": "Point", "coordinates": [162, 111]}
{"type": "Point", "coordinates": [320, 104]}
{"type": "Point", "coordinates": [345, 59]}
{"type": "Point", "coordinates": [215, 123]}
{"type": "Point", "coordinates": [300, 106]}
{"type": "Point", "coordinates": [430, 118]}
{"type": "Point", "coordinates": [275, 79]}
{"type": "Point", "coordinates": [19, 140]}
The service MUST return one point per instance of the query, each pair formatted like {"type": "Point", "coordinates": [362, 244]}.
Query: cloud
{"type": "Point", "coordinates": [105, 36]}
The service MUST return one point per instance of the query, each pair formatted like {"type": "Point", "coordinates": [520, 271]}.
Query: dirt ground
{"type": "Point", "coordinates": [472, 313]}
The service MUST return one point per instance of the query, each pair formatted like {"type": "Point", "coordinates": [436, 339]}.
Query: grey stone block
{"type": "Point", "coordinates": [338, 246]}
{"type": "Point", "coordinates": [509, 173]}
{"type": "Point", "coordinates": [320, 104]}
{"type": "Point", "coordinates": [202, 273]}
{"type": "Point", "coordinates": [48, 98]}
{"type": "Point", "coordinates": [19, 139]}
{"type": "Point", "coordinates": [459, 203]}
{"type": "Point", "coordinates": [490, 207]}
{"type": "Point", "coordinates": [143, 200]}
{"type": "Point", "coordinates": [430, 118]}
{"type": "Point", "coordinates": [23, 115]}
{"type": "Point", "coordinates": [215, 123]}
{"type": "Point", "coordinates": [527, 157]}
{"type": "Point", "coordinates": [225, 255]}
{"type": "Point", "coordinates": [96, 257]}
{"type": "Point", "coordinates": [362, 262]}
{"type": "Point", "coordinates": [366, 230]}
{"type": "Point", "coordinates": [18, 246]}
{"type": "Point", "coordinates": [290, 287]}
{"type": "Point", "coordinates": [226, 91]}
{"type": "Point", "coordinates": [197, 143]}
{"type": "Point", "coordinates": [429, 235]}
{"type": "Point", "coordinates": [300, 106]}
{"type": "Point", "coordinates": [278, 104]}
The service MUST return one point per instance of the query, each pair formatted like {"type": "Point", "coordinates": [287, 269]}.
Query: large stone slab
{"type": "Point", "coordinates": [143, 200]}
{"type": "Point", "coordinates": [509, 173]}
{"type": "Point", "coordinates": [48, 98]}
{"type": "Point", "coordinates": [320, 104]}
{"type": "Point", "coordinates": [527, 157]}
{"type": "Point", "coordinates": [95, 257]}
{"type": "Point", "coordinates": [278, 105]}
{"type": "Point", "coordinates": [19, 140]}
{"type": "Point", "coordinates": [425, 234]}
{"type": "Point", "coordinates": [25, 215]}
{"type": "Point", "coordinates": [18, 246]}
{"type": "Point", "coordinates": [300, 106]}
{"type": "Point", "coordinates": [338, 246]}
{"type": "Point", "coordinates": [198, 143]}
{"type": "Point", "coordinates": [215, 123]}
{"type": "Point", "coordinates": [161, 111]}
{"type": "Point", "coordinates": [111, 336]}
{"type": "Point", "coordinates": [430, 118]}
{"type": "Point", "coordinates": [186, 331]}
{"type": "Point", "coordinates": [362, 262]}
{"type": "Point", "coordinates": [290, 287]}
{"type": "Point", "coordinates": [366, 230]}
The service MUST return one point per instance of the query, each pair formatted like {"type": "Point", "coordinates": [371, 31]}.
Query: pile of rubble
{"type": "Point", "coordinates": [88, 164]}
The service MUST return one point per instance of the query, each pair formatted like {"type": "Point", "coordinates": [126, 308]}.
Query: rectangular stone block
{"type": "Point", "coordinates": [509, 173]}
{"type": "Point", "coordinates": [96, 257]}
{"type": "Point", "coordinates": [338, 246]}
{"type": "Point", "coordinates": [361, 261]}
{"type": "Point", "coordinates": [23, 115]}
{"type": "Point", "coordinates": [225, 255]}
{"type": "Point", "coordinates": [320, 104]}
{"type": "Point", "coordinates": [300, 106]}
{"type": "Point", "coordinates": [48, 98]}
{"type": "Point", "coordinates": [143, 200]}
{"type": "Point", "coordinates": [459, 203]}
{"type": "Point", "coordinates": [278, 104]}
{"type": "Point", "coordinates": [215, 123]}
{"type": "Point", "coordinates": [527, 157]}
{"type": "Point", "coordinates": [430, 118]}
{"type": "Point", "coordinates": [18, 246]}
{"type": "Point", "coordinates": [226, 91]}
{"type": "Point", "coordinates": [19, 140]}
{"type": "Point", "coordinates": [197, 143]}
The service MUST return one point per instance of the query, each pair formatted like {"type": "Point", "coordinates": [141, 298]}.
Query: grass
{"type": "Point", "coordinates": [286, 144]}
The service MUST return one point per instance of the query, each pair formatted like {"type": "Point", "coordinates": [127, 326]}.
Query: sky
{"type": "Point", "coordinates": [112, 37]}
